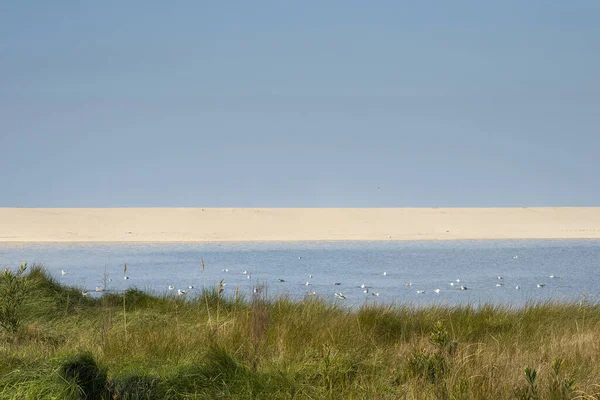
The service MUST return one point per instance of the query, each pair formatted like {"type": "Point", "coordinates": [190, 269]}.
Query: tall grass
{"type": "Point", "coordinates": [282, 348]}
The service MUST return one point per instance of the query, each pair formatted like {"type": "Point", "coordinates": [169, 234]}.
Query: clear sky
{"type": "Point", "coordinates": [300, 104]}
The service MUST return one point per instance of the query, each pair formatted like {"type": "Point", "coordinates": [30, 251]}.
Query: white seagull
{"type": "Point", "coordinates": [190, 287]}
{"type": "Point", "coordinates": [552, 277]}
{"type": "Point", "coordinates": [463, 287]}
{"type": "Point", "coordinates": [375, 294]}
{"type": "Point", "coordinates": [541, 285]}
{"type": "Point", "coordinates": [307, 283]}
{"type": "Point", "coordinates": [517, 287]}
{"type": "Point", "coordinates": [99, 289]}
{"type": "Point", "coordinates": [281, 280]}
{"type": "Point", "coordinates": [125, 278]}
{"type": "Point", "coordinates": [171, 287]}
{"type": "Point", "coordinates": [63, 272]}
{"type": "Point", "coordinates": [384, 273]}
{"type": "Point", "coordinates": [340, 295]}
{"type": "Point", "coordinates": [408, 284]}
{"type": "Point", "coordinates": [180, 292]}
{"type": "Point", "coordinates": [224, 270]}
{"type": "Point", "coordinates": [84, 293]}
{"type": "Point", "coordinates": [499, 284]}
{"type": "Point", "coordinates": [437, 291]}
{"type": "Point", "coordinates": [499, 277]}
{"type": "Point", "coordinates": [336, 283]}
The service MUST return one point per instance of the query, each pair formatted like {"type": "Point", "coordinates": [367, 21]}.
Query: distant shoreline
{"type": "Point", "coordinates": [295, 224]}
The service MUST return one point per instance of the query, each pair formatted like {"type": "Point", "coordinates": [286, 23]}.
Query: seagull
{"type": "Point", "coordinates": [458, 281]}
{"type": "Point", "coordinates": [307, 283]}
{"type": "Point", "coordinates": [375, 294]}
{"type": "Point", "coordinates": [84, 293]}
{"type": "Point", "coordinates": [552, 277]}
{"type": "Point", "coordinates": [336, 283]}
{"type": "Point", "coordinates": [224, 270]}
{"type": "Point", "coordinates": [420, 291]}
{"type": "Point", "coordinates": [340, 295]}
{"type": "Point", "coordinates": [248, 276]}
{"type": "Point", "coordinates": [300, 258]}
{"type": "Point", "coordinates": [256, 290]}
{"type": "Point", "coordinates": [384, 273]}
{"type": "Point", "coordinates": [281, 280]}
{"type": "Point", "coordinates": [63, 272]}
{"type": "Point", "coordinates": [463, 287]}
{"type": "Point", "coordinates": [499, 277]}
{"type": "Point", "coordinates": [541, 285]}
{"type": "Point", "coordinates": [245, 273]}
{"type": "Point", "coordinates": [310, 275]}
{"type": "Point", "coordinates": [451, 283]}
{"type": "Point", "coordinates": [366, 291]}
{"type": "Point", "coordinates": [499, 284]}
{"type": "Point", "coordinates": [408, 284]}
{"type": "Point", "coordinates": [312, 293]}
{"type": "Point", "coordinates": [125, 278]}
{"type": "Point", "coordinates": [517, 287]}
{"type": "Point", "coordinates": [99, 289]}
{"type": "Point", "coordinates": [437, 291]}
{"type": "Point", "coordinates": [190, 287]}
{"type": "Point", "coordinates": [363, 286]}
{"type": "Point", "coordinates": [515, 257]}
{"type": "Point", "coordinates": [180, 292]}
{"type": "Point", "coordinates": [171, 287]}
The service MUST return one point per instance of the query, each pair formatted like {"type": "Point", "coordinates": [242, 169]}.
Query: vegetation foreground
{"type": "Point", "coordinates": [57, 343]}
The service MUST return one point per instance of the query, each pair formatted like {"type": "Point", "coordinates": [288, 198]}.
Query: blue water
{"type": "Point", "coordinates": [428, 265]}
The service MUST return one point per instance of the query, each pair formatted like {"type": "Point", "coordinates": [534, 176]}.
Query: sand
{"type": "Point", "coordinates": [294, 224]}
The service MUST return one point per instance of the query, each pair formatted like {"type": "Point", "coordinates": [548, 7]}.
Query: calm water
{"type": "Point", "coordinates": [428, 265]}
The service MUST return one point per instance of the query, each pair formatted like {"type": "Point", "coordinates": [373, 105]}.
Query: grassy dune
{"type": "Point", "coordinates": [169, 347]}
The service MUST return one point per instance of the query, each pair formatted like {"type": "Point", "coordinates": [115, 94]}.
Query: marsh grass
{"type": "Point", "coordinates": [282, 348]}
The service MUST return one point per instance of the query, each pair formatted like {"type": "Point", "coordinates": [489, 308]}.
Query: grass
{"type": "Point", "coordinates": [69, 346]}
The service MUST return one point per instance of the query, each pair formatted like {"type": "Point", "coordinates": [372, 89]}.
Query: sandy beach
{"type": "Point", "coordinates": [298, 224]}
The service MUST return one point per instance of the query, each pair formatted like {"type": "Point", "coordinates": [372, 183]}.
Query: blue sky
{"type": "Point", "coordinates": [300, 104]}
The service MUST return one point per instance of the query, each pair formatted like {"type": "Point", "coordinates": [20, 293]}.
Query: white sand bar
{"type": "Point", "coordinates": [294, 224]}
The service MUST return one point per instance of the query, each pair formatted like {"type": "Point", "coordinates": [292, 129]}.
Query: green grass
{"type": "Point", "coordinates": [213, 347]}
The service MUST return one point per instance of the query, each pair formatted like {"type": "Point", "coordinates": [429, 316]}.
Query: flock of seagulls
{"type": "Point", "coordinates": [338, 294]}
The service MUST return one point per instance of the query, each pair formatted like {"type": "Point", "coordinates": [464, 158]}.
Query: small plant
{"type": "Point", "coordinates": [13, 290]}
{"type": "Point", "coordinates": [528, 392]}
{"type": "Point", "coordinates": [432, 367]}
{"type": "Point", "coordinates": [560, 388]}
{"type": "Point", "coordinates": [435, 366]}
